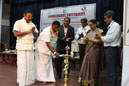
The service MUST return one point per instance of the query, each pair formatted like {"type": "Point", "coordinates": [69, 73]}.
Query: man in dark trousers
{"type": "Point", "coordinates": [111, 42]}
{"type": "Point", "coordinates": [65, 36]}
{"type": "Point", "coordinates": [81, 33]}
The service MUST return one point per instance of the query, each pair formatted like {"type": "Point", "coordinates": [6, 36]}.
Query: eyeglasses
{"type": "Point", "coordinates": [29, 17]}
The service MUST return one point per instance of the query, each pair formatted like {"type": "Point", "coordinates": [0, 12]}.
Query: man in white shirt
{"type": "Point", "coordinates": [81, 33]}
{"type": "Point", "coordinates": [111, 41]}
{"type": "Point", "coordinates": [46, 43]}
{"type": "Point", "coordinates": [25, 31]}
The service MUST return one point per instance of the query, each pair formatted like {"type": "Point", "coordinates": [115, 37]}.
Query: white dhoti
{"type": "Point", "coordinates": [45, 71]}
{"type": "Point", "coordinates": [25, 70]}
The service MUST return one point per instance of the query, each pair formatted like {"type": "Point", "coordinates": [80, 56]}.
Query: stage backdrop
{"type": "Point", "coordinates": [125, 72]}
{"type": "Point", "coordinates": [82, 11]}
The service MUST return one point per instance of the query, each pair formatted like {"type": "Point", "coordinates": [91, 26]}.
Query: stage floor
{"type": "Point", "coordinates": [8, 77]}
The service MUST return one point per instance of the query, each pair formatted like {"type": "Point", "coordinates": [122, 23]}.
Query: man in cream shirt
{"type": "Point", "coordinates": [25, 31]}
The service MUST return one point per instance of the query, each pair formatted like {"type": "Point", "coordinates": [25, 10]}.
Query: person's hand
{"type": "Point", "coordinates": [79, 36]}
{"type": "Point", "coordinates": [97, 36]}
{"type": "Point", "coordinates": [82, 35]}
{"type": "Point", "coordinates": [63, 38]}
{"type": "Point", "coordinates": [31, 30]}
{"type": "Point", "coordinates": [86, 39]}
{"type": "Point", "coordinates": [67, 40]}
{"type": "Point", "coordinates": [57, 55]}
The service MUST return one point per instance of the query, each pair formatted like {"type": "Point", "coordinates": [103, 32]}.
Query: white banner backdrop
{"type": "Point", "coordinates": [76, 13]}
{"type": "Point", "coordinates": [125, 71]}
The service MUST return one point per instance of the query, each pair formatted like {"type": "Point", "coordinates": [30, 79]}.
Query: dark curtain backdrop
{"type": "Point", "coordinates": [18, 7]}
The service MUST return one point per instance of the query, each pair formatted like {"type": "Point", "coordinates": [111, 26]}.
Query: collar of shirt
{"type": "Point", "coordinates": [84, 28]}
{"type": "Point", "coordinates": [65, 28]}
{"type": "Point", "coordinates": [110, 24]}
{"type": "Point", "coordinates": [25, 21]}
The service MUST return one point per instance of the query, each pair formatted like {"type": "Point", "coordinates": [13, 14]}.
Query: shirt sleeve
{"type": "Point", "coordinates": [35, 30]}
{"type": "Point", "coordinates": [112, 34]}
{"type": "Point", "coordinates": [46, 36]}
{"type": "Point", "coordinates": [16, 26]}
{"type": "Point", "coordinates": [77, 34]}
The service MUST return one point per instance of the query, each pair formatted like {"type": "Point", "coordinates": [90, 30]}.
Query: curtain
{"type": "Point", "coordinates": [18, 7]}
{"type": "Point", "coordinates": [20, 1]}
{"type": "Point", "coordinates": [1, 1]}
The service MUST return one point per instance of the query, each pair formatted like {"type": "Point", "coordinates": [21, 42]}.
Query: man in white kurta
{"type": "Point", "coordinates": [45, 71]}
{"type": "Point", "coordinates": [24, 30]}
